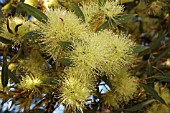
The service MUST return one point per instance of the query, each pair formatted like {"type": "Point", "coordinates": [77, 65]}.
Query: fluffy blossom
{"type": "Point", "coordinates": [19, 26]}
{"type": "Point", "coordinates": [111, 8]}
{"type": "Point", "coordinates": [157, 107]}
{"type": "Point", "coordinates": [90, 11]}
{"type": "Point", "coordinates": [29, 82]}
{"type": "Point", "coordinates": [105, 51]}
{"type": "Point", "coordinates": [73, 92]}
{"type": "Point", "coordinates": [124, 86]}
{"type": "Point", "coordinates": [62, 25]}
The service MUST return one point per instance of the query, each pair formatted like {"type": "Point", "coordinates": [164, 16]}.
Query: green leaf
{"type": "Point", "coordinates": [120, 19]}
{"type": "Point", "coordinates": [4, 77]}
{"type": "Point", "coordinates": [117, 20]}
{"type": "Point", "coordinates": [157, 42]}
{"type": "Point", "coordinates": [107, 81]}
{"type": "Point", "coordinates": [77, 10]}
{"type": "Point", "coordinates": [13, 77]}
{"type": "Point", "coordinates": [32, 35]}
{"type": "Point", "coordinates": [108, 24]}
{"type": "Point", "coordinates": [161, 55]}
{"type": "Point", "coordinates": [15, 56]}
{"type": "Point", "coordinates": [103, 26]}
{"type": "Point", "coordinates": [65, 61]}
{"type": "Point", "coordinates": [149, 69]}
{"type": "Point", "coordinates": [5, 41]}
{"type": "Point", "coordinates": [151, 90]}
{"type": "Point", "coordinates": [139, 48]}
{"type": "Point", "coordinates": [163, 77]}
{"type": "Point", "coordinates": [50, 80]}
{"type": "Point", "coordinates": [34, 12]}
{"type": "Point", "coordinates": [141, 105]}
{"type": "Point", "coordinates": [1, 15]}
{"type": "Point", "coordinates": [65, 44]}
{"type": "Point", "coordinates": [101, 2]}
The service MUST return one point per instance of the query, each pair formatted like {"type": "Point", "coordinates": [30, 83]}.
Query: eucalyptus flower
{"type": "Point", "coordinates": [111, 8]}
{"type": "Point", "coordinates": [124, 86]}
{"type": "Point", "coordinates": [105, 51]}
{"type": "Point", "coordinates": [30, 82]}
{"type": "Point", "coordinates": [62, 25]}
{"type": "Point", "coordinates": [158, 107]}
{"type": "Point", "coordinates": [90, 11]}
{"type": "Point", "coordinates": [73, 92]}
{"type": "Point", "coordinates": [15, 28]}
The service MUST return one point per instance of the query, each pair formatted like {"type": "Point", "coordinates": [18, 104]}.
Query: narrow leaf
{"type": "Point", "coordinates": [138, 49]}
{"type": "Point", "coordinates": [101, 2]}
{"type": "Point", "coordinates": [32, 35]}
{"type": "Point", "coordinates": [163, 77]}
{"type": "Point", "coordinates": [4, 77]}
{"type": "Point", "coordinates": [15, 56]}
{"type": "Point", "coordinates": [65, 44]}
{"type": "Point", "coordinates": [34, 12]}
{"type": "Point", "coordinates": [77, 10]}
{"type": "Point", "coordinates": [140, 106]}
{"type": "Point", "coordinates": [5, 41]}
{"type": "Point", "coordinates": [120, 19]}
{"type": "Point", "coordinates": [161, 55]}
{"type": "Point", "coordinates": [13, 77]}
{"type": "Point", "coordinates": [65, 61]}
{"type": "Point", "coordinates": [152, 92]}
{"type": "Point", "coordinates": [1, 15]}
{"type": "Point", "coordinates": [103, 26]}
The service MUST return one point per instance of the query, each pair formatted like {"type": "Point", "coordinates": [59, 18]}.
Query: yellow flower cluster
{"type": "Point", "coordinates": [124, 87]}
{"type": "Point", "coordinates": [62, 25]}
{"type": "Point", "coordinates": [18, 27]}
{"type": "Point", "coordinates": [158, 107]}
{"type": "Point", "coordinates": [104, 50]}
{"type": "Point", "coordinates": [92, 10]}
{"type": "Point", "coordinates": [90, 53]}
{"type": "Point", "coordinates": [30, 82]}
{"type": "Point", "coordinates": [74, 91]}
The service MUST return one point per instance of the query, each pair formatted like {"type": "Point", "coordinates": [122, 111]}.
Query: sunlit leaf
{"type": "Point", "coordinates": [65, 61]}
{"type": "Point", "coordinates": [5, 41]}
{"type": "Point", "coordinates": [151, 91]}
{"type": "Point", "coordinates": [34, 12]}
{"type": "Point", "coordinates": [13, 77]}
{"type": "Point", "coordinates": [65, 44]}
{"type": "Point", "coordinates": [77, 10]}
{"type": "Point", "coordinates": [1, 15]}
{"type": "Point", "coordinates": [139, 48]}
{"type": "Point", "coordinates": [32, 35]}
{"type": "Point", "coordinates": [163, 77]}
{"type": "Point", "coordinates": [141, 105]}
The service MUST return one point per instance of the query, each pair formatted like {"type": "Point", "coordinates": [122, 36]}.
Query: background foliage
{"type": "Point", "coordinates": [147, 22]}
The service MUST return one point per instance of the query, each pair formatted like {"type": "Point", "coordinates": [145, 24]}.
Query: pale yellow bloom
{"type": "Point", "coordinates": [31, 2]}
{"type": "Point", "coordinates": [50, 3]}
{"type": "Point", "coordinates": [30, 82]}
{"type": "Point", "coordinates": [1, 87]}
{"type": "Point", "coordinates": [62, 25]}
{"type": "Point", "coordinates": [73, 92]}
{"type": "Point", "coordinates": [90, 11]}
{"type": "Point", "coordinates": [124, 86]}
{"type": "Point", "coordinates": [158, 107]}
{"type": "Point", "coordinates": [123, 83]}
{"type": "Point", "coordinates": [105, 51]}
{"type": "Point", "coordinates": [111, 8]}
{"type": "Point", "coordinates": [24, 26]}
